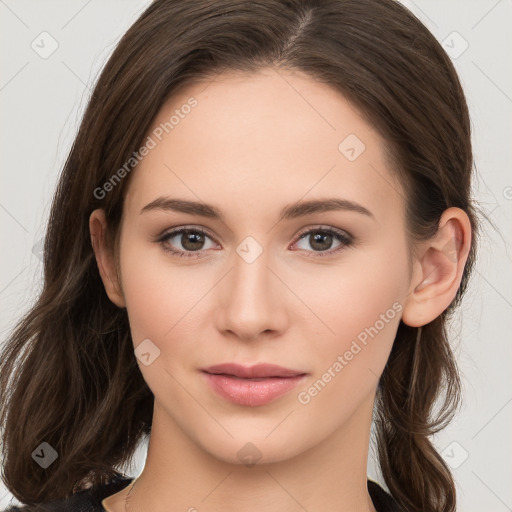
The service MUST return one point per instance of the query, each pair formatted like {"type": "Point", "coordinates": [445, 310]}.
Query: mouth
{"type": "Point", "coordinates": [251, 386]}
{"type": "Point", "coordinates": [258, 371]}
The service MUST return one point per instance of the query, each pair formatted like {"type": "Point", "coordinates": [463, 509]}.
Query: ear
{"type": "Point", "coordinates": [438, 268]}
{"type": "Point", "coordinates": [105, 257]}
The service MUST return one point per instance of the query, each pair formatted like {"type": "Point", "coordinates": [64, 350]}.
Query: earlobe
{"type": "Point", "coordinates": [105, 257]}
{"type": "Point", "coordinates": [438, 269]}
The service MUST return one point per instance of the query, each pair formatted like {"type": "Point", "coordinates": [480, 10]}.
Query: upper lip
{"type": "Point", "coordinates": [249, 372]}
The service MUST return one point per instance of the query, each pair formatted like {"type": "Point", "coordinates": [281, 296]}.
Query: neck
{"type": "Point", "coordinates": [179, 474]}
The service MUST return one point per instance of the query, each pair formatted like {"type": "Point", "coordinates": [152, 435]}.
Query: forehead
{"type": "Point", "coordinates": [251, 143]}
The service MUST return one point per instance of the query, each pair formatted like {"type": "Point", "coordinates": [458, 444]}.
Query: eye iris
{"type": "Point", "coordinates": [321, 241]}
{"type": "Point", "coordinates": [192, 240]}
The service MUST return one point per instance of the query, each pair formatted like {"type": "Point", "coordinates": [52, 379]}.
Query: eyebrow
{"type": "Point", "coordinates": [291, 211]}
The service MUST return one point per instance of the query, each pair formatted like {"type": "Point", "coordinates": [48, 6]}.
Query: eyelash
{"type": "Point", "coordinates": [345, 239]}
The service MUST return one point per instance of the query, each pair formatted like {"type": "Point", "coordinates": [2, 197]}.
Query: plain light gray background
{"type": "Point", "coordinates": [42, 96]}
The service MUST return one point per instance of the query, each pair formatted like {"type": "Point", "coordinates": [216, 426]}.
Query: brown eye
{"type": "Point", "coordinates": [321, 240]}
{"type": "Point", "coordinates": [191, 241]}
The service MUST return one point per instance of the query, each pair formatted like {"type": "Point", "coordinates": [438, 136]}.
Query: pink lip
{"type": "Point", "coordinates": [252, 386]}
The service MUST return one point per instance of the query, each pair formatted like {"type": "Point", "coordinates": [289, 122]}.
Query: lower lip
{"type": "Point", "coordinates": [251, 392]}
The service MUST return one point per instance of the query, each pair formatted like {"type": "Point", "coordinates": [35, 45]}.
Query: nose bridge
{"type": "Point", "coordinates": [249, 303]}
{"type": "Point", "coordinates": [250, 277]}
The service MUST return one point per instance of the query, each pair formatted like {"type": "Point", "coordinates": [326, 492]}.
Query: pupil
{"type": "Point", "coordinates": [191, 240]}
{"type": "Point", "coordinates": [317, 241]}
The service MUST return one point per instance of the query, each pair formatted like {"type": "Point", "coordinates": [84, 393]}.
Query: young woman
{"type": "Point", "coordinates": [259, 235]}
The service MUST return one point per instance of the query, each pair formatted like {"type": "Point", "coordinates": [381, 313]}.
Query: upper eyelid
{"type": "Point", "coordinates": [176, 231]}
{"type": "Point", "coordinates": [324, 227]}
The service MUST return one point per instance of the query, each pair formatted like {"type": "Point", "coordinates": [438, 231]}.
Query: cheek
{"type": "Point", "coordinates": [360, 305]}
{"type": "Point", "coordinates": [162, 305]}
{"type": "Point", "coordinates": [163, 301]}
{"type": "Point", "coordinates": [156, 300]}
{"type": "Point", "coordinates": [147, 299]}
{"type": "Point", "coordinates": [347, 366]}
{"type": "Point", "coordinates": [352, 296]}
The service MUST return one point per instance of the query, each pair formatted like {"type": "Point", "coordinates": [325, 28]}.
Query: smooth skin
{"type": "Point", "coordinates": [254, 144]}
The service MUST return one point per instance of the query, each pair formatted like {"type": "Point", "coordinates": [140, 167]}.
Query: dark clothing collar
{"type": "Point", "coordinates": [89, 500]}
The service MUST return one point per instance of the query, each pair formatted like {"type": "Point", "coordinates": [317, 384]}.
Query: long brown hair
{"type": "Point", "coordinates": [68, 374]}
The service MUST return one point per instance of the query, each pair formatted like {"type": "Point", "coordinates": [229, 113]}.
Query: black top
{"type": "Point", "coordinates": [89, 500]}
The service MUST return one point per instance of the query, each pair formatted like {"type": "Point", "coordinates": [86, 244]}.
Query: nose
{"type": "Point", "coordinates": [252, 300]}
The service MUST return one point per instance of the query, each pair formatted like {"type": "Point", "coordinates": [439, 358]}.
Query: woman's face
{"type": "Point", "coordinates": [262, 281]}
